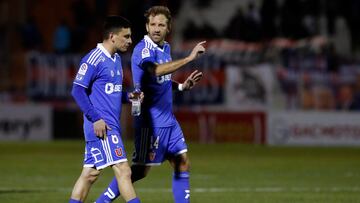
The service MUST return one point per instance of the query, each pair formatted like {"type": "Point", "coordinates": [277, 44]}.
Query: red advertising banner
{"type": "Point", "coordinates": [208, 126]}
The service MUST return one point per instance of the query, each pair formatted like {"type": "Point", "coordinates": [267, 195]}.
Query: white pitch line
{"type": "Point", "coordinates": [205, 190]}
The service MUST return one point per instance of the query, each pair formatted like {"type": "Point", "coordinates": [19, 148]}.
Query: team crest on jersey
{"type": "Point", "coordinates": [145, 53]}
{"type": "Point", "coordinates": [83, 68]}
{"type": "Point", "coordinates": [79, 77]}
{"type": "Point", "coordinates": [119, 152]}
{"type": "Point", "coordinates": [152, 156]}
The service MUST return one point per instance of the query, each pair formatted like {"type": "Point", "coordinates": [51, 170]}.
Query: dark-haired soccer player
{"type": "Point", "coordinates": [157, 133]}
{"type": "Point", "coordinates": [98, 91]}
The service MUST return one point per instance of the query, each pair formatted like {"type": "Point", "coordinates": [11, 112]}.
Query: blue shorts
{"type": "Point", "coordinates": [104, 152]}
{"type": "Point", "coordinates": [154, 145]}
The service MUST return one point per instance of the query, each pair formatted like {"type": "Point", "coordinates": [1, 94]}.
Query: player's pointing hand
{"type": "Point", "coordinates": [197, 50]}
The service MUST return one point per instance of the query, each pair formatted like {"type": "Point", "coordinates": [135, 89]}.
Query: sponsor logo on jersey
{"type": "Point", "coordinates": [163, 78]}
{"type": "Point", "coordinates": [111, 88]}
{"type": "Point", "coordinates": [83, 68]}
{"type": "Point", "coordinates": [145, 53]}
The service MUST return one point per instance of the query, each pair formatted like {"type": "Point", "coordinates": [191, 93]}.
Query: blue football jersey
{"type": "Point", "coordinates": [102, 76]}
{"type": "Point", "coordinates": [157, 104]}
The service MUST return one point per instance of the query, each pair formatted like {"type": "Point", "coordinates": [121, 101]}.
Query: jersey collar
{"type": "Point", "coordinates": [149, 40]}
{"type": "Point", "coordinates": [102, 48]}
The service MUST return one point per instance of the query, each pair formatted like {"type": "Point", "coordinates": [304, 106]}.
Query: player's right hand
{"type": "Point", "coordinates": [133, 95]}
{"type": "Point", "coordinates": [197, 50]}
{"type": "Point", "coordinates": [100, 128]}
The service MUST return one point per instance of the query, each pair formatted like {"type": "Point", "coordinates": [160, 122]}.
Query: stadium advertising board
{"type": "Point", "coordinates": [314, 128]}
{"type": "Point", "coordinates": [25, 122]}
{"type": "Point", "coordinates": [212, 126]}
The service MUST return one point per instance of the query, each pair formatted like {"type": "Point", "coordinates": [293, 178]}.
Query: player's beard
{"type": "Point", "coordinates": [158, 38]}
{"type": "Point", "coordinates": [121, 49]}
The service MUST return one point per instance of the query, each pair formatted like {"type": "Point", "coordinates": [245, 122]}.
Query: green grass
{"type": "Point", "coordinates": [46, 171]}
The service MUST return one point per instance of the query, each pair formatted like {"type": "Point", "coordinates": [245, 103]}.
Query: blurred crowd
{"type": "Point", "coordinates": [322, 79]}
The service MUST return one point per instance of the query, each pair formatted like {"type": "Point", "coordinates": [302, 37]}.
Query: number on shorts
{"type": "Point", "coordinates": [156, 143]}
{"type": "Point", "coordinates": [115, 139]}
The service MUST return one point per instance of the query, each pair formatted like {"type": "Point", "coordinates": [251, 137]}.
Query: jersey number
{"type": "Point", "coordinates": [156, 143]}
{"type": "Point", "coordinates": [114, 139]}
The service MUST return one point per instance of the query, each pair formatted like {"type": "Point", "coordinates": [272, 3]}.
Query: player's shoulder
{"type": "Point", "coordinates": [167, 46]}
{"type": "Point", "coordinates": [142, 49]}
{"type": "Point", "coordinates": [93, 58]}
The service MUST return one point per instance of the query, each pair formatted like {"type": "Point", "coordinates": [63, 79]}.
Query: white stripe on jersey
{"type": "Point", "coordinates": [111, 163]}
{"type": "Point", "coordinates": [108, 145]}
{"type": "Point", "coordinates": [181, 152]}
{"type": "Point", "coordinates": [106, 151]}
{"type": "Point", "coordinates": [92, 54]}
{"type": "Point", "coordinates": [148, 45]}
{"type": "Point", "coordinates": [93, 60]}
{"type": "Point", "coordinates": [80, 84]}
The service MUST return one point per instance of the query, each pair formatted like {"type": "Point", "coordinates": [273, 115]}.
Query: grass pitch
{"type": "Point", "coordinates": [46, 172]}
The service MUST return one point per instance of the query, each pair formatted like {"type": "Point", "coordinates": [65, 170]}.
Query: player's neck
{"type": "Point", "coordinates": [108, 46]}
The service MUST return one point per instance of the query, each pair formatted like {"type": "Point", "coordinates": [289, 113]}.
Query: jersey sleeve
{"type": "Point", "coordinates": [85, 74]}
{"type": "Point", "coordinates": [142, 55]}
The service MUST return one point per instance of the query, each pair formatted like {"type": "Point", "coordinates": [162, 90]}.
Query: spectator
{"type": "Point", "coordinates": [323, 98]}
{"type": "Point", "coordinates": [236, 27]}
{"type": "Point", "coordinates": [345, 98]}
{"type": "Point", "coordinates": [31, 36]}
{"type": "Point", "coordinates": [268, 12]}
{"type": "Point", "coordinates": [62, 38]}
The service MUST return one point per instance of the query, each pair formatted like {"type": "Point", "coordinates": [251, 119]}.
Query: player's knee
{"type": "Point", "coordinates": [91, 177]}
{"type": "Point", "coordinates": [184, 165]}
{"type": "Point", "coordinates": [124, 170]}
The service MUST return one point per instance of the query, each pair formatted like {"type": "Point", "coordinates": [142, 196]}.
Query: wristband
{"type": "Point", "coordinates": [181, 87]}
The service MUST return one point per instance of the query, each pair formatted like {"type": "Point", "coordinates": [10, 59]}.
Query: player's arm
{"type": "Point", "coordinates": [189, 83]}
{"type": "Point", "coordinates": [166, 68]}
{"type": "Point", "coordinates": [82, 99]}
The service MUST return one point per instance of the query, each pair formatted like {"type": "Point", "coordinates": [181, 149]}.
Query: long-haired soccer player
{"type": "Point", "coordinates": [158, 136]}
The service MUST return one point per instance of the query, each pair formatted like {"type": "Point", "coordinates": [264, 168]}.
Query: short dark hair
{"type": "Point", "coordinates": [156, 10]}
{"type": "Point", "coordinates": [114, 24]}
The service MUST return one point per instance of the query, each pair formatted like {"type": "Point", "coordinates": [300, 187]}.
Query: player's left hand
{"type": "Point", "coordinates": [191, 81]}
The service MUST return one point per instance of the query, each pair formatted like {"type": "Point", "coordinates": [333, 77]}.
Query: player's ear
{"type": "Point", "coordinates": [110, 36]}
{"type": "Point", "coordinates": [147, 27]}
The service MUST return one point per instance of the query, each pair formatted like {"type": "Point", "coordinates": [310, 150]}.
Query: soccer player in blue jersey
{"type": "Point", "coordinates": [98, 91]}
{"type": "Point", "coordinates": [158, 136]}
